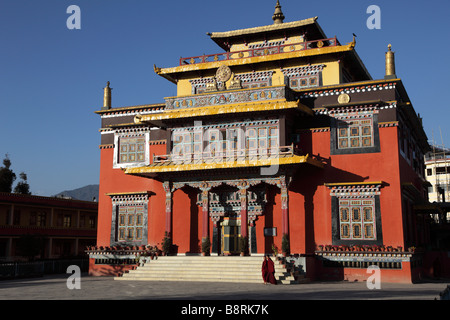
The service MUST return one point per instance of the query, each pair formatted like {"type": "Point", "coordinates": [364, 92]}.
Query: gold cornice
{"type": "Point", "coordinates": [223, 165]}
{"type": "Point", "coordinates": [224, 109]}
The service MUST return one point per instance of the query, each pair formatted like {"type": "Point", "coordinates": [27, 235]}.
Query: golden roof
{"type": "Point", "coordinates": [262, 29]}
{"type": "Point", "coordinates": [224, 109]}
{"type": "Point", "coordinates": [176, 167]}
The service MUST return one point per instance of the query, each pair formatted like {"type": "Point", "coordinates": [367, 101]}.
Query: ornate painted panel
{"type": "Point", "coordinates": [227, 97]}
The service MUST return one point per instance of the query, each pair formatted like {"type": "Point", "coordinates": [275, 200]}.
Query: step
{"type": "Point", "coordinates": [196, 277]}
{"type": "Point", "coordinates": [206, 273]}
{"type": "Point", "coordinates": [210, 268]}
{"type": "Point", "coordinates": [183, 279]}
{"type": "Point", "coordinates": [249, 268]}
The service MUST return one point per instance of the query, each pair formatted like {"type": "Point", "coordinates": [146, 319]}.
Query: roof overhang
{"type": "Point", "coordinates": [273, 30]}
{"type": "Point", "coordinates": [173, 167]}
{"type": "Point", "coordinates": [222, 110]}
{"type": "Point", "coordinates": [173, 74]}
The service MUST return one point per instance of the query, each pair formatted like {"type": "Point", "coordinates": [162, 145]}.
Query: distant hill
{"type": "Point", "coordinates": [86, 193]}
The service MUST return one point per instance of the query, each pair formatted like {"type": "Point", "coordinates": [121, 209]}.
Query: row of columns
{"type": "Point", "coordinates": [48, 252]}
{"type": "Point", "coordinates": [51, 216]}
{"type": "Point", "coordinates": [243, 186]}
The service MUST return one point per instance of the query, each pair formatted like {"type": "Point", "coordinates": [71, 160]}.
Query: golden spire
{"type": "Point", "coordinates": [390, 64]}
{"type": "Point", "coordinates": [278, 15]}
{"type": "Point", "coordinates": [107, 97]}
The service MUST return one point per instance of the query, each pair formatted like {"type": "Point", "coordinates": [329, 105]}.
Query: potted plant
{"type": "Point", "coordinates": [274, 250]}
{"type": "Point", "coordinates": [320, 247]}
{"type": "Point", "coordinates": [166, 244]}
{"type": "Point", "coordinates": [206, 245]}
{"type": "Point", "coordinates": [285, 244]}
{"type": "Point", "coordinates": [243, 245]}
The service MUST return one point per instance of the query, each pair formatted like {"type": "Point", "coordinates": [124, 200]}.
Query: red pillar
{"type": "Point", "coordinates": [244, 217]}
{"type": "Point", "coordinates": [168, 191]}
{"type": "Point", "coordinates": [205, 211]}
{"type": "Point", "coordinates": [284, 205]}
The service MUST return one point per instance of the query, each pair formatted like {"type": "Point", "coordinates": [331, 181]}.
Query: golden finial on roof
{"type": "Point", "coordinates": [278, 15]}
{"type": "Point", "coordinates": [107, 97]}
{"type": "Point", "coordinates": [390, 64]}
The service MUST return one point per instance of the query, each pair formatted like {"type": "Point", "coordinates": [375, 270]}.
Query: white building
{"type": "Point", "coordinates": [437, 165]}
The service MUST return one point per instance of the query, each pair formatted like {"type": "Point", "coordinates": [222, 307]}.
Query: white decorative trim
{"type": "Point", "coordinates": [129, 113]}
{"type": "Point", "coordinates": [355, 191]}
{"type": "Point", "coordinates": [129, 199]}
{"type": "Point", "coordinates": [122, 133]}
{"type": "Point", "coordinates": [350, 90]}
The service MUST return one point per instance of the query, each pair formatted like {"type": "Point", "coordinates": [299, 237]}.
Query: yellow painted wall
{"type": "Point", "coordinates": [243, 46]}
{"type": "Point", "coordinates": [184, 87]}
{"type": "Point", "coordinates": [331, 75]}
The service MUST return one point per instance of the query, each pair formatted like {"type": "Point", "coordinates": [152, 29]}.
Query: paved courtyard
{"type": "Point", "coordinates": [106, 288]}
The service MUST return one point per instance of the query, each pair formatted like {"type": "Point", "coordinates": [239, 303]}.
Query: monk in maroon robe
{"type": "Point", "coordinates": [268, 271]}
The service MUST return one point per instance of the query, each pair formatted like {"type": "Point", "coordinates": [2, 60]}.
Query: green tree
{"type": "Point", "coordinates": [22, 186]}
{"type": "Point", "coordinates": [7, 176]}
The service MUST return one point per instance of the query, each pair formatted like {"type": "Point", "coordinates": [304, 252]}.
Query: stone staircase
{"type": "Point", "coordinates": [210, 268]}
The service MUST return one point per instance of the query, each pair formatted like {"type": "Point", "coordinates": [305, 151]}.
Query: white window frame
{"type": "Point", "coordinates": [116, 161]}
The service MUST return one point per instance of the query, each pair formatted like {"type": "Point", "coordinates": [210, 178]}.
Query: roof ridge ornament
{"type": "Point", "coordinates": [107, 97]}
{"type": "Point", "coordinates": [390, 64]}
{"type": "Point", "coordinates": [278, 16]}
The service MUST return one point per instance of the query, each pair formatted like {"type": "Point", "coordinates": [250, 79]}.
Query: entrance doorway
{"type": "Point", "coordinates": [231, 231]}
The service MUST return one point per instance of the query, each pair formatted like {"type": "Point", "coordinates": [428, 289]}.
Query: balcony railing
{"type": "Point", "coordinates": [221, 156]}
{"type": "Point", "coordinates": [257, 52]}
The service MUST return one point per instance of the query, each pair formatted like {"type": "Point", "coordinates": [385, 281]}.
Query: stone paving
{"type": "Point", "coordinates": [106, 288]}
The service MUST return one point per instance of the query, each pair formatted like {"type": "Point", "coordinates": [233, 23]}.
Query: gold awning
{"type": "Point", "coordinates": [261, 162]}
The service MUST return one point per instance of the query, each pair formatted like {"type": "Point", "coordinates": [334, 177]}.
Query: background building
{"type": "Point", "coordinates": [437, 163]}
{"type": "Point", "coordinates": [36, 227]}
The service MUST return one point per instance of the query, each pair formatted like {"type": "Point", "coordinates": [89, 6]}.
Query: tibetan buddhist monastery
{"type": "Point", "coordinates": [282, 141]}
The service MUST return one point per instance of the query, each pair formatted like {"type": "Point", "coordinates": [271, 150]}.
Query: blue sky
{"type": "Point", "coordinates": [52, 78]}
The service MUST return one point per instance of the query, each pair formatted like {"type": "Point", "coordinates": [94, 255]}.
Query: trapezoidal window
{"type": "Point", "coordinates": [357, 219]}
{"type": "Point", "coordinates": [130, 223]}
{"type": "Point", "coordinates": [356, 214]}
{"type": "Point", "coordinates": [358, 133]}
{"type": "Point", "coordinates": [355, 133]}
